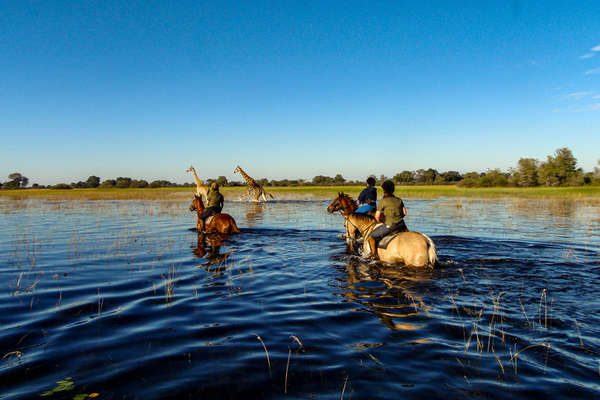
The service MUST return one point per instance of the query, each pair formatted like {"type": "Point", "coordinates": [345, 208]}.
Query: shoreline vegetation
{"type": "Point", "coordinates": [581, 193]}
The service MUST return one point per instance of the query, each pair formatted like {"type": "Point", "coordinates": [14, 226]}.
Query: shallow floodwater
{"type": "Point", "coordinates": [121, 299]}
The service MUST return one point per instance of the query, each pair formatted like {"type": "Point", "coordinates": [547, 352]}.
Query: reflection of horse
{"type": "Point", "coordinates": [221, 223]}
{"type": "Point", "coordinates": [409, 248]}
{"type": "Point", "coordinates": [213, 255]}
{"type": "Point", "coordinates": [408, 286]}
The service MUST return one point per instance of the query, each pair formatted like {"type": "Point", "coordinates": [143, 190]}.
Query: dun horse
{"type": "Point", "coordinates": [410, 248]}
{"type": "Point", "coordinates": [221, 223]}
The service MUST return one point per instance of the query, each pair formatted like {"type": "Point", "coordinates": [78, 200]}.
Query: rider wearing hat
{"type": "Point", "coordinates": [367, 199]}
{"type": "Point", "coordinates": [214, 201]}
{"type": "Point", "coordinates": [391, 212]}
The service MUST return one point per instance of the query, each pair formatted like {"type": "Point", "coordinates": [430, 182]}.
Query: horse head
{"type": "Point", "coordinates": [197, 203]}
{"type": "Point", "coordinates": [338, 204]}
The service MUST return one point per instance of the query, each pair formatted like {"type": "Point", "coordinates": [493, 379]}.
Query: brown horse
{"type": "Point", "coordinates": [352, 220]}
{"type": "Point", "coordinates": [221, 223]}
{"type": "Point", "coordinates": [409, 248]}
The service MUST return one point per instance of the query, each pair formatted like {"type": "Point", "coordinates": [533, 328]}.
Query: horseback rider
{"type": "Point", "coordinates": [391, 212]}
{"type": "Point", "coordinates": [367, 199]}
{"type": "Point", "coordinates": [214, 201]}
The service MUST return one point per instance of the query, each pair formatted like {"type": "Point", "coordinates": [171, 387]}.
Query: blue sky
{"type": "Point", "coordinates": [291, 89]}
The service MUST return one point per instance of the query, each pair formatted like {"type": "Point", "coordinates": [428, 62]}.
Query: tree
{"type": "Point", "coordinates": [560, 169]}
{"type": "Point", "coordinates": [123, 182]}
{"type": "Point", "coordinates": [452, 176]}
{"type": "Point", "coordinates": [430, 175]}
{"type": "Point", "coordinates": [138, 183]}
{"type": "Point", "coordinates": [527, 170]}
{"type": "Point", "coordinates": [420, 177]}
{"type": "Point", "coordinates": [93, 181]}
{"type": "Point", "coordinates": [404, 177]}
{"type": "Point", "coordinates": [494, 177]}
{"type": "Point", "coordinates": [108, 183]}
{"type": "Point", "coordinates": [470, 179]}
{"type": "Point", "coordinates": [222, 181]}
{"type": "Point", "coordinates": [339, 179]}
{"type": "Point", "coordinates": [17, 181]}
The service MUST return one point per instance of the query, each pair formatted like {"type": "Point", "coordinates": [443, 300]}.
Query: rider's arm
{"type": "Point", "coordinates": [378, 216]}
{"type": "Point", "coordinates": [361, 197]}
{"type": "Point", "coordinates": [403, 211]}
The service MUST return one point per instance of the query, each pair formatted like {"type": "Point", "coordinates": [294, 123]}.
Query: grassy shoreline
{"type": "Point", "coordinates": [312, 192]}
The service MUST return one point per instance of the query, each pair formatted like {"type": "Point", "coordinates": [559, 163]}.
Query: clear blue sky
{"type": "Point", "coordinates": [293, 88]}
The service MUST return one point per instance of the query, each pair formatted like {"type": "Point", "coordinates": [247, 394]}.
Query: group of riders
{"type": "Point", "coordinates": [390, 211]}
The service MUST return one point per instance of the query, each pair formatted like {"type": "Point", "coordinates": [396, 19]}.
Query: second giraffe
{"type": "Point", "coordinates": [253, 191]}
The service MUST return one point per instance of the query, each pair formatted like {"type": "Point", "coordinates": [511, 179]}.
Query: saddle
{"type": "Point", "coordinates": [384, 241]}
{"type": "Point", "coordinates": [207, 220]}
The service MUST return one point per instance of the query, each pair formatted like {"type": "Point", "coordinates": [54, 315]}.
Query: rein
{"type": "Point", "coordinates": [347, 218]}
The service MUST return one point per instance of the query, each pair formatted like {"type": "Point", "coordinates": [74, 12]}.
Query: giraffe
{"type": "Point", "coordinates": [201, 188]}
{"type": "Point", "coordinates": [253, 191]}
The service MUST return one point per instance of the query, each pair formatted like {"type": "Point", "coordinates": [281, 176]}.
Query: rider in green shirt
{"type": "Point", "coordinates": [391, 212]}
{"type": "Point", "coordinates": [214, 201]}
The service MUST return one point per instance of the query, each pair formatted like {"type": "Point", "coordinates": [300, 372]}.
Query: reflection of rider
{"type": "Point", "coordinates": [392, 209]}
{"type": "Point", "coordinates": [368, 197]}
{"type": "Point", "coordinates": [214, 202]}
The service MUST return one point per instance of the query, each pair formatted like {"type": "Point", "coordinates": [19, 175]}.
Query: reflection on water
{"type": "Point", "coordinates": [394, 294]}
{"type": "Point", "coordinates": [208, 246]}
{"type": "Point", "coordinates": [254, 213]}
{"type": "Point", "coordinates": [121, 298]}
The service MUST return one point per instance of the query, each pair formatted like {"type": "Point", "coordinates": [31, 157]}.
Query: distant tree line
{"type": "Point", "coordinates": [559, 169]}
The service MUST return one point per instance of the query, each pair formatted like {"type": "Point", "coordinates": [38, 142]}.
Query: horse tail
{"type": "Point", "coordinates": [233, 227]}
{"type": "Point", "coordinates": [433, 260]}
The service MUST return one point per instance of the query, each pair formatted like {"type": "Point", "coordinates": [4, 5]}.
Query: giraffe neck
{"type": "Point", "coordinates": [196, 179]}
{"type": "Point", "coordinates": [247, 177]}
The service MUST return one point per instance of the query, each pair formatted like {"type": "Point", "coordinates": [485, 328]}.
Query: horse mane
{"type": "Point", "coordinates": [362, 217]}
{"type": "Point", "coordinates": [349, 199]}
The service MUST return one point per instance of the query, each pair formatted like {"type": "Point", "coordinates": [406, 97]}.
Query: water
{"type": "Point", "coordinates": [121, 299]}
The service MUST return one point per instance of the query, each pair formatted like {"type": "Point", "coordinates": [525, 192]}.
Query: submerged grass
{"type": "Point", "coordinates": [317, 192]}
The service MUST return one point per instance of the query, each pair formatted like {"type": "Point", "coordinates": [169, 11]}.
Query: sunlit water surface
{"type": "Point", "coordinates": [122, 299]}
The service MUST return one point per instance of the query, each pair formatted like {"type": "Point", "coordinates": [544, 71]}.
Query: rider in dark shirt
{"type": "Point", "coordinates": [367, 199]}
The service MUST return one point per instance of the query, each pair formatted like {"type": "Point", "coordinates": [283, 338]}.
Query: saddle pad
{"type": "Point", "coordinates": [383, 243]}
{"type": "Point", "coordinates": [208, 219]}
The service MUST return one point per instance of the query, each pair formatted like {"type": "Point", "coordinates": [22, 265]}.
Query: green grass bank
{"type": "Point", "coordinates": [313, 192]}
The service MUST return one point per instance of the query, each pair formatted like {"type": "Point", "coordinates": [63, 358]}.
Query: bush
{"type": "Point", "coordinates": [62, 186]}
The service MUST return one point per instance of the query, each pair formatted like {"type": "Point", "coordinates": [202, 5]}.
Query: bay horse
{"type": "Point", "coordinates": [221, 223]}
{"type": "Point", "coordinates": [410, 248]}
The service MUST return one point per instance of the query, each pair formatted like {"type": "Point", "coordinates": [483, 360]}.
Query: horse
{"type": "Point", "coordinates": [410, 248]}
{"type": "Point", "coordinates": [352, 220]}
{"type": "Point", "coordinates": [221, 223]}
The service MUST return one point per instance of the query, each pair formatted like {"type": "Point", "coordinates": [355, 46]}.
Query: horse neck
{"type": "Point", "coordinates": [349, 206]}
{"type": "Point", "coordinates": [200, 208]}
{"type": "Point", "coordinates": [362, 222]}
